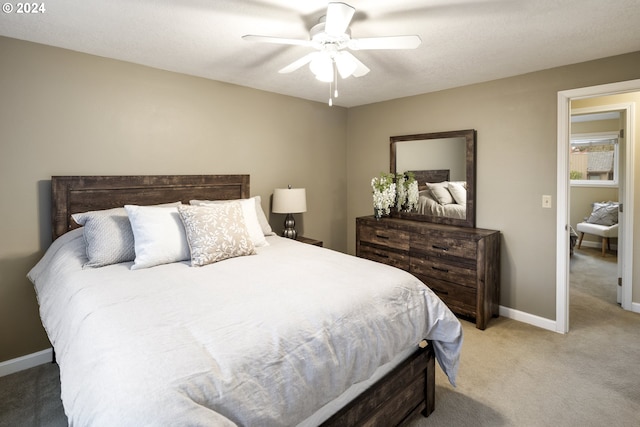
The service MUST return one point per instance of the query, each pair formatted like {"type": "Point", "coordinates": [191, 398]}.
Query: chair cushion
{"type": "Point", "coordinates": [598, 230]}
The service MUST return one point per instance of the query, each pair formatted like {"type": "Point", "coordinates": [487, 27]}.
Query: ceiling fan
{"type": "Point", "coordinates": [332, 40]}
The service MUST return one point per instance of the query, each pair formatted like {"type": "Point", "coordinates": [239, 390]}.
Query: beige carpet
{"type": "Point", "coordinates": [511, 374]}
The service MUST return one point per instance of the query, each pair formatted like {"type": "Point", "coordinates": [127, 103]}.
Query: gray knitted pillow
{"type": "Point", "coordinates": [604, 213]}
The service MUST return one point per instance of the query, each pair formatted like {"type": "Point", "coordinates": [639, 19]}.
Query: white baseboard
{"type": "Point", "coordinates": [531, 319]}
{"type": "Point", "coordinates": [25, 362]}
{"type": "Point", "coordinates": [542, 322]}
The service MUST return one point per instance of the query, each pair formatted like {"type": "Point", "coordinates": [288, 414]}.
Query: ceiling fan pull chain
{"type": "Point", "coordinates": [335, 79]}
{"type": "Point", "coordinates": [330, 97]}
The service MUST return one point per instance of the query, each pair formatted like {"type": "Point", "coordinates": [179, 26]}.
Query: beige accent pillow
{"type": "Point", "coordinates": [260, 215]}
{"type": "Point", "coordinates": [216, 232]}
{"type": "Point", "coordinates": [250, 218]}
{"type": "Point", "coordinates": [440, 192]}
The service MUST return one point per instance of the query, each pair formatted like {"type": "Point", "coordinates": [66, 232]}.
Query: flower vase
{"type": "Point", "coordinates": [377, 213]}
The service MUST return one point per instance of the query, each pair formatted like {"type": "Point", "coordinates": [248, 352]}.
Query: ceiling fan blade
{"type": "Point", "coordinates": [298, 63]}
{"type": "Point", "coordinates": [360, 69]}
{"type": "Point", "coordinates": [277, 40]}
{"type": "Point", "coordinates": [391, 42]}
{"type": "Point", "coordinates": [338, 18]}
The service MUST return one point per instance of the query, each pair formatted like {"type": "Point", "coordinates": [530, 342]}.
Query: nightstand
{"type": "Point", "coordinates": [309, 241]}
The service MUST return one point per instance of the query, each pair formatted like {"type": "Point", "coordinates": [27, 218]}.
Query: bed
{"type": "Point", "coordinates": [438, 196]}
{"type": "Point", "coordinates": [286, 334]}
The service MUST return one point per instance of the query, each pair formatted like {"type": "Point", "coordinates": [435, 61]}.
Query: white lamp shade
{"type": "Point", "coordinates": [346, 66]}
{"type": "Point", "coordinates": [289, 200]}
{"type": "Point", "coordinates": [322, 67]}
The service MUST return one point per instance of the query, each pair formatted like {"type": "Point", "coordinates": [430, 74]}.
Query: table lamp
{"type": "Point", "coordinates": [289, 201]}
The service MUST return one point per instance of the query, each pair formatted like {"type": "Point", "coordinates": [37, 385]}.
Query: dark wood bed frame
{"type": "Point", "coordinates": [430, 175]}
{"type": "Point", "coordinates": [396, 398]}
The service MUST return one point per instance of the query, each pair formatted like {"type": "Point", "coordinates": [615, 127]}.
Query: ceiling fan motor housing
{"type": "Point", "coordinates": [320, 36]}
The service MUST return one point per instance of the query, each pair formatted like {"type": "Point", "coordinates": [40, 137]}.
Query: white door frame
{"type": "Point", "coordinates": [562, 182]}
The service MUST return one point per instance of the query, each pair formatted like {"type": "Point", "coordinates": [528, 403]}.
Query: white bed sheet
{"type": "Point", "coordinates": [216, 345]}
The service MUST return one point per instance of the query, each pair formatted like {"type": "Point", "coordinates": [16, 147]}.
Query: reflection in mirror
{"type": "Point", "coordinates": [443, 163]}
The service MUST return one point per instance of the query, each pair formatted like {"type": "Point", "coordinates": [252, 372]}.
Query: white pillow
{"type": "Point", "coordinates": [458, 192]}
{"type": "Point", "coordinates": [440, 192]}
{"type": "Point", "coordinates": [262, 218]}
{"type": "Point", "coordinates": [216, 232]}
{"type": "Point", "coordinates": [108, 236]}
{"type": "Point", "coordinates": [250, 214]}
{"type": "Point", "coordinates": [159, 235]}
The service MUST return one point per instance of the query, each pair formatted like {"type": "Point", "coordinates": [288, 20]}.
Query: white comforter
{"type": "Point", "coordinates": [427, 205]}
{"type": "Point", "coordinates": [258, 340]}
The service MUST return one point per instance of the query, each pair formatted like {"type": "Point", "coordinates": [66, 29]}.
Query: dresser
{"type": "Point", "coordinates": [461, 265]}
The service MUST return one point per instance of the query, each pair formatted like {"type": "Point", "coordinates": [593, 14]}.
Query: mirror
{"type": "Point", "coordinates": [444, 164]}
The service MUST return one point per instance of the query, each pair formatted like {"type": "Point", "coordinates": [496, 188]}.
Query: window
{"type": "Point", "coordinates": [593, 160]}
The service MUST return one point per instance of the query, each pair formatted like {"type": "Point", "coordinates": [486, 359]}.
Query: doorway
{"type": "Point", "coordinates": [625, 242]}
{"type": "Point", "coordinates": [596, 176]}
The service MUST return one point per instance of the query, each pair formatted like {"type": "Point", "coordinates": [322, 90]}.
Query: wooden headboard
{"type": "Point", "coordinates": [74, 194]}
{"type": "Point", "coordinates": [432, 175]}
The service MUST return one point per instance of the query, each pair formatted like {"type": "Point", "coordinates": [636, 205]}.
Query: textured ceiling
{"type": "Point", "coordinates": [463, 41]}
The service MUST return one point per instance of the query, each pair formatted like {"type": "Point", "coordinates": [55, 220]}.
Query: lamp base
{"type": "Point", "coordinates": [289, 227]}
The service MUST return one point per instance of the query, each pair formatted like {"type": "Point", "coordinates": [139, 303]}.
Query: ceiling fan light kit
{"type": "Point", "coordinates": [331, 37]}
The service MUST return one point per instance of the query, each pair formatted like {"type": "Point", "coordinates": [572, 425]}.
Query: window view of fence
{"type": "Point", "coordinates": [593, 159]}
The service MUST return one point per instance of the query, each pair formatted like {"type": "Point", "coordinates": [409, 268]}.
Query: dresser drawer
{"type": "Point", "coordinates": [461, 265]}
{"type": "Point", "coordinates": [400, 260]}
{"type": "Point", "coordinates": [388, 237]}
{"type": "Point", "coordinates": [459, 299]}
{"type": "Point", "coordinates": [441, 244]}
{"type": "Point", "coordinates": [458, 274]}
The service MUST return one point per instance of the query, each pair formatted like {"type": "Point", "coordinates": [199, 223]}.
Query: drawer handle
{"type": "Point", "coordinates": [440, 269]}
{"type": "Point", "coordinates": [383, 255]}
{"type": "Point", "coordinates": [381, 237]}
{"type": "Point", "coordinates": [442, 248]}
{"type": "Point", "coordinates": [438, 291]}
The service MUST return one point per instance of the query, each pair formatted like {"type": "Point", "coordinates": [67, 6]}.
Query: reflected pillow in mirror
{"type": "Point", "coordinates": [440, 192]}
{"type": "Point", "coordinates": [458, 192]}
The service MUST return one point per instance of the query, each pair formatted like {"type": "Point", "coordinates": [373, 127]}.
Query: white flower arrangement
{"type": "Point", "coordinates": [401, 189]}
{"type": "Point", "coordinates": [413, 195]}
{"type": "Point", "coordinates": [384, 193]}
{"type": "Point", "coordinates": [407, 188]}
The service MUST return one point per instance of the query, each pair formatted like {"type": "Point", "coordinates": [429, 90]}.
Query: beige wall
{"type": "Point", "coordinates": [516, 120]}
{"type": "Point", "coordinates": [65, 113]}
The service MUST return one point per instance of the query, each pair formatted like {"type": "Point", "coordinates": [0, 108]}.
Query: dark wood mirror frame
{"type": "Point", "coordinates": [470, 137]}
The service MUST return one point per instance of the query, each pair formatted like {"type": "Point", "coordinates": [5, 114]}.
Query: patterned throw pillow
{"type": "Point", "coordinates": [216, 232]}
{"type": "Point", "coordinates": [604, 213]}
